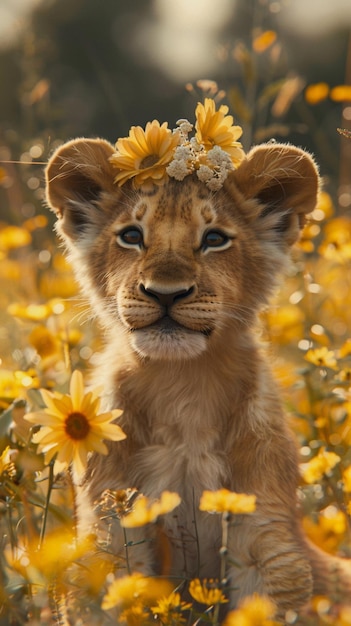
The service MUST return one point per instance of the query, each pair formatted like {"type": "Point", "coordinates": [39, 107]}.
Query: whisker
{"type": "Point", "coordinates": [24, 162]}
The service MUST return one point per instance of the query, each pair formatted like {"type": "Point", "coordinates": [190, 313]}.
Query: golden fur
{"type": "Point", "coordinates": [176, 277]}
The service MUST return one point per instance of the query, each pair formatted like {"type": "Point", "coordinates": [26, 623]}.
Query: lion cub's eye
{"type": "Point", "coordinates": [130, 237]}
{"type": "Point", "coordinates": [215, 239]}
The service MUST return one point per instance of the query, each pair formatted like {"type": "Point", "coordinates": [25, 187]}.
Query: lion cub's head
{"type": "Point", "coordinates": [178, 266]}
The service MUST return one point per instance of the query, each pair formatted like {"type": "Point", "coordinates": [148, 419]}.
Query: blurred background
{"type": "Point", "coordinates": [85, 67]}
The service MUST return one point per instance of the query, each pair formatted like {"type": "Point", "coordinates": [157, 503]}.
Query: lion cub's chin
{"type": "Point", "coordinates": [175, 345]}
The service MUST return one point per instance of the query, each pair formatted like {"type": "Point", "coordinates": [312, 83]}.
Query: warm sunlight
{"type": "Point", "coordinates": [175, 312]}
{"type": "Point", "coordinates": [182, 39]}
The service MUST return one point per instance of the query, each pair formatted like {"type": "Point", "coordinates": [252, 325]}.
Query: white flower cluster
{"type": "Point", "coordinates": [219, 164]}
{"type": "Point", "coordinates": [211, 167]}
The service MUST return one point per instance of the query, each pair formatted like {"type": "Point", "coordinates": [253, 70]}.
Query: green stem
{"type": "Point", "coordinates": [224, 548]}
{"type": "Point", "coordinates": [223, 568]}
{"type": "Point", "coordinates": [196, 536]}
{"type": "Point", "coordinates": [74, 504]}
{"type": "Point", "coordinates": [126, 551]}
{"type": "Point", "coordinates": [47, 502]}
{"type": "Point", "coordinates": [10, 525]}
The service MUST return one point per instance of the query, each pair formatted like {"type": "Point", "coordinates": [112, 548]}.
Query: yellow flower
{"type": "Point", "coordinates": [135, 615]}
{"type": "Point", "coordinates": [54, 284]}
{"type": "Point", "coordinates": [337, 242]}
{"type": "Point", "coordinates": [14, 384]}
{"type": "Point", "coordinates": [145, 154]}
{"type": "Point", "coordinates": [9, 269]}
{"type": "Point", "coordinates": [223, 500]}
{"type": "Point", "coordinates": [31, 312]}
{"type": "Point", "coordinates": [152, 155]}
{"type": "Point", "coordinates": [70, 336]}
{"type": "Point", "coordinates": [252, 611]}
{"type": "Point", "coordinates": [14, 237]}
{"type": "Point", "coordinates": [344, 616]}
{"type": "Point", "coordinates": [316, 93]}
{"type": "Point", "coordinates": [324, 208]}
{"type": "Point", "coordinates": [3, 177]}
{"type": "Point", "coordinates": [322, 357]}
{"type": "Point", "coordinates": [72, 427]}
{"type": "Point", "coordinates": [130, 590]}
{"type": "Point", "coordinates": [92, 569]}
{"type": "Point", "coordinates": [310, 231]}
{"type": "Point", "coordinates": [341, 93]}
{"type": "Point", "coordinates": [345, 373]}
{"type": "Point", "coordinates": [39, 221]}
{"type": "Point", "coordinates": [264, 40]}
{"type": "Point", "coordinates": [59, 550]}
{"type": "Point", "coordinates": [319, 466]}
{"type": "Point", "coordinates": [345, 349]}
{"type": "Point", "coordinates": [346, 478]}
{"type": "Point", "coordinates": [207, 591]}
{"type": "Point", "coordinates": [329, 530]}
{"type": "Point", "coordinates": [120, 501]}
{"type": "Point", "coordinates": [44, 341]}
{"type": "Point", "coordinates": [169, 609]}
{"type": "Point", "coordinates": [145, 511]}
{"type": "Point", "coordinates": [215, 128]}
{"type": "Point", "coordinates": [320, 605]}
{"type": "Point", "coordinates": [286, 323]}
{"type": "Point", "coordinates": [6, 464]}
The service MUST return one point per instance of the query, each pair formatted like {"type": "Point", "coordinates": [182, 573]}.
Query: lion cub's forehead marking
{"type": "Point", "coordinates": [188, 205]}
{"type": "Point", "coordinates": [139, 210]}
{"type": "Point", "coordinates": [208, 214]}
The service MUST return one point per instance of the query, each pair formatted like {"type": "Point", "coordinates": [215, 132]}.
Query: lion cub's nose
{"type": "Point", "coordinates": [166, 299]}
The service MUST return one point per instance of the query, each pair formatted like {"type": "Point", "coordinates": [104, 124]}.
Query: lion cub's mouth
{"type": "Point", "coordinates": [166, 325]}
{"type": "Point", "coordinates": [167, 339]}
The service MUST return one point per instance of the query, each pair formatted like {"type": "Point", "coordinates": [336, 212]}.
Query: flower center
{"type": "Point", "coordinates": [149, 161]}
{"type": "Point", "coordinates": [77, 426]}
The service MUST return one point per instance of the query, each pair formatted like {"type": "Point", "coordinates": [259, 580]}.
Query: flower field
{"type": "Point", "coordinates": [49, 342]}
{"type": "Point", "coordinates": [47, 575]}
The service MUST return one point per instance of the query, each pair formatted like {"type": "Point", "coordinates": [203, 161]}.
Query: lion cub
{"type": "Point", "coordinates": [177, 275]}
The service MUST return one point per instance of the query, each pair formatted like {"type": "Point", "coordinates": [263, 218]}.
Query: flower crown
{"type": "Point", "coordinates": [154, 154]}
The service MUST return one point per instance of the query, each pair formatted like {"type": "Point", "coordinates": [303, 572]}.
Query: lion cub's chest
{"type": "Point", "coordinates": [182, 445]}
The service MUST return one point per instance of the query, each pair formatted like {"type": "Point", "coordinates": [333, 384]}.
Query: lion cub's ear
{"type": "Point", "coordinates": [76, 176]}
{"type": "Point", "coordinates": [285, 181]}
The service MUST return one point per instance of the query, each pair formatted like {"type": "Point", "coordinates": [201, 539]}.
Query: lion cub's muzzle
{"type": "Point", "coordinates": [165, 298]}
{"type": "Point", "coordinates": [172, 332]}
{"type": "Point", "coordinates": [168, 302]}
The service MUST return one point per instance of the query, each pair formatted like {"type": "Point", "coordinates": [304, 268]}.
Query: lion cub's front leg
{"type": "Point", "coordinates": [266, 547]}
{"type": "Point", "coordinates": [269, 560]}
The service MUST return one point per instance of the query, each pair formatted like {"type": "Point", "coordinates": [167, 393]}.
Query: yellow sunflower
{"type": "Point", "coordinates": [146, 511]}
{"type": "Point", "coordinates": [168, 608]}
{"type": "Point", "coordinates": [315, 469]}
{"type": "Point", "coordinates": [207, 591]}
{"type": "Point", "coordinates": [223, 501]}
{"type": "Point", "coordinates": [71, 426]}
{"type": "Point", "coordinates": [215, 128]}
{"type": "Point", "coordinates": [322, 357]}
{"type": "Point", "coordinates": [253, 610]}
{"type": "Point", "coordinates": [133, 590]}
{"type": "Point", "coordinates": [144, 154]}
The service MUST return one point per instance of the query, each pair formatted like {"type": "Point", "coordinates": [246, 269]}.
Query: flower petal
{"type": "Point", "coordinates": [47, 436]}
{"type": "Point", "coordinates": [58, 404]}
{"type": "Point", "coordinates": [80, 459]}
{"type": "Point", "coordinates": [110, 431]}
{"type": "Point", "coordinates": [77, 390]}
